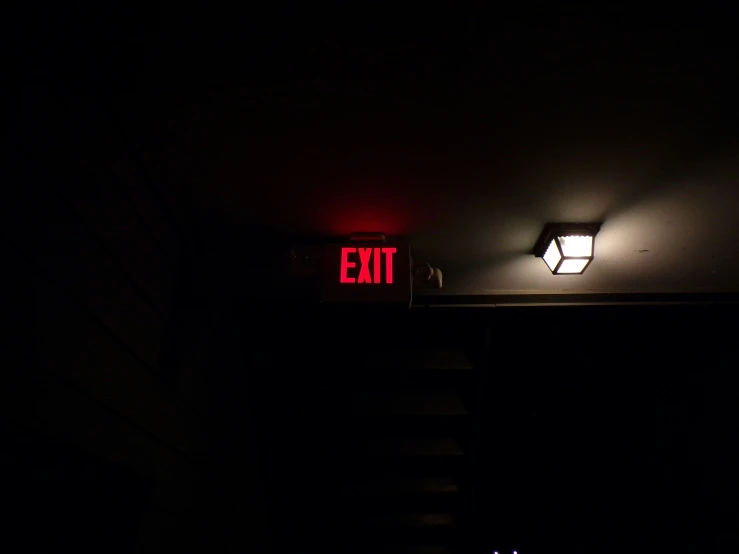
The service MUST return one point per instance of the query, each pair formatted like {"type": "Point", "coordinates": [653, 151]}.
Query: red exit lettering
{"type": "Point", "coordinates": [368, 258]}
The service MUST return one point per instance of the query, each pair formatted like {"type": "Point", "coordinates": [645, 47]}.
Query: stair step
{"type": "Point", "coordinates": [392, 521]}
{"type": "Point", "coordinates": [440, 357]}
{"type": "Point", "coordinates": [407, 549]}
{"type": "Point", "coordinates": [457, 426]}
{"type": "Point", "coordinates": [392, 495]}
{"type": "Point", "coordinates": [414, 447]}
{"type": "Point", "coordinates": [451, 503]}
{"type": "Point", "coordinates": [423, 402]}
{"type": "Point", "coordinates": [412, 529]}
{"type": "Point", "coordinates": [399, 378]}
{"type": "Point", "coordinates": [429, 485]}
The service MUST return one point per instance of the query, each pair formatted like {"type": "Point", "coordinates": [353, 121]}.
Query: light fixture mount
{"type": "Point", "coordinates": [567, 248]}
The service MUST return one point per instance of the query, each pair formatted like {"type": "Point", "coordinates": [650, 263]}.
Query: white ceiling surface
{"type": "Point", "coordinates": [668, 199]}
{"type": "Point", "coordinates": [680, 236]}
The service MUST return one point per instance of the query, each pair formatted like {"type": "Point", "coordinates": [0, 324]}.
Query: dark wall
{"type": "Point", "coordinates": [611, 428]}
{"type": "Point", "coordinates": [97, 366]}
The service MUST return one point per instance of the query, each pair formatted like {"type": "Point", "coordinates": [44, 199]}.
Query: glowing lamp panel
{"type": "Point", "coordinates": [572, 266]}
{"type": "Point", "coordinates": [576, 246]}
{"type": "Point", "coordinates": [552, 256]}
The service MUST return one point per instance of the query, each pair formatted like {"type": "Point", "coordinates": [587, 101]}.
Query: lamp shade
{"type": "Point", "coordinates": [567, 248]}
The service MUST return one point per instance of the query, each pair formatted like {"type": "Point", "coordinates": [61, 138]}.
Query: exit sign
{"type": "Point", "coordinates": [365, 272]}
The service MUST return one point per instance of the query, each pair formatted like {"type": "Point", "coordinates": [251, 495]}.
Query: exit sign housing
{"type": "Point", "coordinates": [361, 272]}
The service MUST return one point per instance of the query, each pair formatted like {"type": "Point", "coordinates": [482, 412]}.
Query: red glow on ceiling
{"type": "Point", "coordinates": [334, 205]}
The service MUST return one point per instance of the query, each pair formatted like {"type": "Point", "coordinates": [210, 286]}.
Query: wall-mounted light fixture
{"type": "Point", "coordinates": [567, 248]}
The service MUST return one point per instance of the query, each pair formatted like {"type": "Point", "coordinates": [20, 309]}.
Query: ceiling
{"type": "Point", "coordinates": [463, 131]}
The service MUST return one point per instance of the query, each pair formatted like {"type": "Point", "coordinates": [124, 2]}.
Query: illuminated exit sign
{"type": "Point", "coordinates": [375, 265]}
{"type": "Point", "coordinates": [361, 273]}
